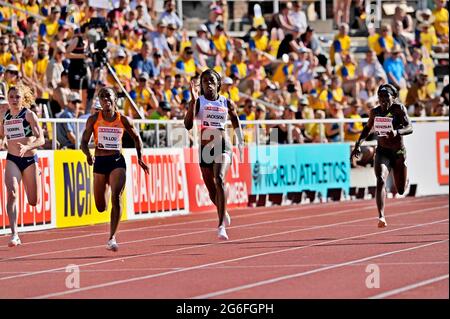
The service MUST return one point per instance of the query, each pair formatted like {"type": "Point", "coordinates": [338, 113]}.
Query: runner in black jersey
{"type": "Point", "coordinates": [390, 121]}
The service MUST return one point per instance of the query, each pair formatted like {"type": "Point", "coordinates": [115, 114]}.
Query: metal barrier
{"type": "Point", "coordinates": [177, 136]}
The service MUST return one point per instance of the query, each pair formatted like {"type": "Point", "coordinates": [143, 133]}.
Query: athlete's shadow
{"type": "Point", "coordinates": [107, 256]}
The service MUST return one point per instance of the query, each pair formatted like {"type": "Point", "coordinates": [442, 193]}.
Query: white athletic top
{"type": "Point", "coordinates": [213, 114]}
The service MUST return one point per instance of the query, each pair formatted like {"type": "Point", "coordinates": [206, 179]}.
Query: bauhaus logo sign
{"type": "Point", "coordinates": [442, 157]}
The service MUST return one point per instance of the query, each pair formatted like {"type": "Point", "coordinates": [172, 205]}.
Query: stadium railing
{"type": "Point", "coordinates": [180, 137]}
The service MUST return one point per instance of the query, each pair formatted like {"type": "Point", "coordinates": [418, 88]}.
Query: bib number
{"type": "Point", "coordinates": [14, 129]}
{"type": "Point", "coordinates": [109, 138]}
{"type": "Point", "coordinates": [383, 125]}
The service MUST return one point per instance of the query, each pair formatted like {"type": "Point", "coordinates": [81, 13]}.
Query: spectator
{"type": "Point", "coordinates": [6, 57]}
{"type": "Point", "coordinates": [213, 19]}
{"type": "Point", "coordinates": [368, 95]}
{"type": "Point", "coordinates": [204, 52]}
{"type": "Point", "coordinates": [298, 17]}
{"type": "Point", "coordinates": [143, 19]}
{"type": "Point", "coordinates": [310, 41]}
{"type": "Point", "coordinates": [405, 21]}
{"type": "Point", "coordinates": [385, 43]}
{"type": "Point", "coordinates": [418, 110]}
{"type": "Point", "coordinates": [304, 70]}
{"type": "Point", "coordinates": [284, 70]}
{"type": "Point", "coordinates": [12, 76]}
{"type": "Point", "coordinates": [172, 39]}
{"type": "Point", "coordinates": [341, 45]}
{"type": "Point", "coordinates": [142, 62]}
{"type": "Point", "coordinates": [60, 96]}
{"type": "Point", "coordinates": [78, 69]}
{"type": "Point", "coordinates": [66, 132]}
{"type": "Point", "coordinates": [55, 68]}
{"type": "Point", "coordinates": [290, 43]}
{"type": "Point", "coordinates": [159, 41]}
{"type": "Point", "coordinates": [282, 20]}
{"type": "Point", "coordinates": [49, 27]}
{"type": "Point", "coordinates": [342, 11]}
{"type": "Point", "coordinates": [420, 92]}
{"type": "Point", "coordinates": [395, 69]}
{"type": "Point", "coordinates": [370, 67]}
{"type": "Point", "coordinates": [347, 72]}
{"type": "Point", "coordinates": [415, 66]}
{"type": "Point", "coordinates": [248, 114]}
{"type": "Point", "coordinates": [122, 69]}
{"type": "Point", "coordinates": [333, 130]}
{"type": "Point", "coordinates": [260, 40]}
{"type": "Point", "coordinates": [169, 16]}
{"type": "Point", "coordinates": [427, 36]}
{"type": "Point", "coordinates": [353, 130]}
{"type": "Point", "coordinates": [186, 63]}
{"type": "Point", "coordinates": [145, 97]}
{"type": "Point", "coordinates": [400, 39]}
{"type": "Point", "coordinates": [440, 14]}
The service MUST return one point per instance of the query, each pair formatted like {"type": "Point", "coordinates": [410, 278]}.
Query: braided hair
{"type": "Point", "coordinates": [213, 73]}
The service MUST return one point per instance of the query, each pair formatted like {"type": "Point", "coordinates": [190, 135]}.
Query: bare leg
{"type": "Point", "coordinates": [117, 179]}
{"type": "Point", "coordinates": [32, 183]}
{"type": "Point", "coordinates": [13, 177]}
{"type": "Point", "coordinates": [101, 193]}
{"type": "Point", "coordinates": [208, 178]}
{"type": "Point", "coordinates": [400, 175]}
{"type": "Point", "coordinates": [220, 172]}
{"type": "Point", "coordinates": [381, 172]}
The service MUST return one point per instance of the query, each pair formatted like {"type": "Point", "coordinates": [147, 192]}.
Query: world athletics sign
{"type": "Point", "coordinates": [295, 168]}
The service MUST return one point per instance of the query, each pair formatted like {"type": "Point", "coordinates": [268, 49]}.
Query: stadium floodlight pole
{"type": "Point", "coordinates": [133, 104]}
{"type": "Point", "coordinates": [37, 16]}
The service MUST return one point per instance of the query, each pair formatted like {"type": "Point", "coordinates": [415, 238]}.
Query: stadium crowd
{"type": "Point", "coordinates": [281, 69]}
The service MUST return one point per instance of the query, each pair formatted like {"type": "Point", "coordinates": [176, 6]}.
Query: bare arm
{"type": "Point", "coordinates": [235, 121]}
{"type": "Point", "coordinates": [137, 141]}
{"type": "Point", "coordinates": [87, 137]}
{"type": "Point", "coordinates": [37, 132]}
{"type": "Point", "coordinates": [366, 130]}
{"type": "Point", "coordinates": [407, 125]}
{"type": "Point", "coordinates": [189, 118]}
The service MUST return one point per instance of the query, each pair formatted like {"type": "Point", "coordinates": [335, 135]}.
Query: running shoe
{"type": "Point", "coordinates": [382, 222]}
{"type": "Point", "coordinates": [112, 245]}
{"type": "Point", "coordinates": [15, 241]}
{"type": "Point", "coordinates": [227, 219]}
{"type": "Point", "coordinates": [222, 233]}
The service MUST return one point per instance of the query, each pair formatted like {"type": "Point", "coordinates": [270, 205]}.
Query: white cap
{"type": "Point", "coordinates": [227, 80]}
{"type": "Point", "coordinates": [202, 27]}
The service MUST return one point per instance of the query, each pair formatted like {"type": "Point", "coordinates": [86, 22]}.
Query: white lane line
{"type": "Point", "coordinates": [314, 271]}
{"type": "Point", "coordinates": [140, 278]}
{"type": "Point", "coordinates": [409, 287]}
{"type": "Point", "coordinates": [271, 222]}
{"type": "Point", "coordinates": [268, 210]}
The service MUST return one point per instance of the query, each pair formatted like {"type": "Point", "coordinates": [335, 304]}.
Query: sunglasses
{"type": "Point", "coordinates": [4, 43]}
{"type": "Point", "coordinates": [142, 80]}
{"type": "Point", "coordinates": [13, 72]}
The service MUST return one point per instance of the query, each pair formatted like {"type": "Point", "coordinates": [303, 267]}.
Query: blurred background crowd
{"type": "Point", "coordinates": [278, 66]}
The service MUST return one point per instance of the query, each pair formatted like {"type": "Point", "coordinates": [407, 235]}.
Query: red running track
{"type": "Point", "coordinates": [307, 251]}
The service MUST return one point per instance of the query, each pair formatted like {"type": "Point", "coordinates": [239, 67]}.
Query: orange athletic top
{"type": "Point", "coordinates": [108, 135]}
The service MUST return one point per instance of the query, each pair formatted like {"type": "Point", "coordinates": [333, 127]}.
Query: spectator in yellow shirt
{"type": "Point", "coordinates": [341, 44]}
{"type": "Point", "coordinates": [353, 130]}
{"type": "Point", "coordinates": [347, 72]}
{"type": "Point", "coordinates": [6, 57]}
{"type": "Point", "coordinates": [427, 36]}
{"type": "Point", "coordinates": [385, 43]}
{"type": "Point", "coordinates": [186, 63]}
{"type": "Point", "coordinates": [50, 26]}
{"type": "Point", "coordinates": [440, 14]}
{"type": "Point", "coordinates": [123, 70]}
{"type": "Point", "coordinates": [260, 40]}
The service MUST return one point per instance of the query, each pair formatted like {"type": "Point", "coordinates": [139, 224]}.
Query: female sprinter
{"type": "Point", "coordinates": [24, 136]}
{"type": "Point", "coordinates": [108, 127]}
{"type": "Point", "coordinates": [212, 111]}
{"type": "Point", "coordinates": [391, 122]}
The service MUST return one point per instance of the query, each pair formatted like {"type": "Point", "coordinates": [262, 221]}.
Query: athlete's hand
{"type": "Point", "coordinates": [195, 90]}
{"type": "Point", "coordinates": [144, 166]}
{"type": "Point", "coordinates": [241, 152]}
{"type": "Point", "coordinates": [392, 134]}
{"type": "Point", "coordinates": [23, 149]}
{"type": "Point", "coordinates": [356, 153]}
{"type": "Point", "coordinates": [90, 160]}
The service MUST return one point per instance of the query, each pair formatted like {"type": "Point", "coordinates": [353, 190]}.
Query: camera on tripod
{"type": "Point", "coordinates": [99, 55]}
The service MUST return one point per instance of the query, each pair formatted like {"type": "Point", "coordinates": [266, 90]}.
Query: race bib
{"type": "Point", "coordinates": [14, 129]}
{"type": "Point", "coordinates": [383, 125]}
{"type": "Point", "coordinates": [109, 138]}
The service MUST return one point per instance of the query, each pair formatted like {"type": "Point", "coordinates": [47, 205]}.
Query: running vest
{"type": "Point", "coordinates": [17, 126]}
{"type": "Point", "coordinates": [108, 135]}
{"type": "Point", "coordinates": [213, 114]}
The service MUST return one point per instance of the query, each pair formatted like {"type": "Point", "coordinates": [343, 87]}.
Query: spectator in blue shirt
{"type": "Point", "coordinates": [395, 68]}
{"type": "Point", "coordinates": [66, 132]}
{"type": "Point", "coordinates": [143, 62]}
